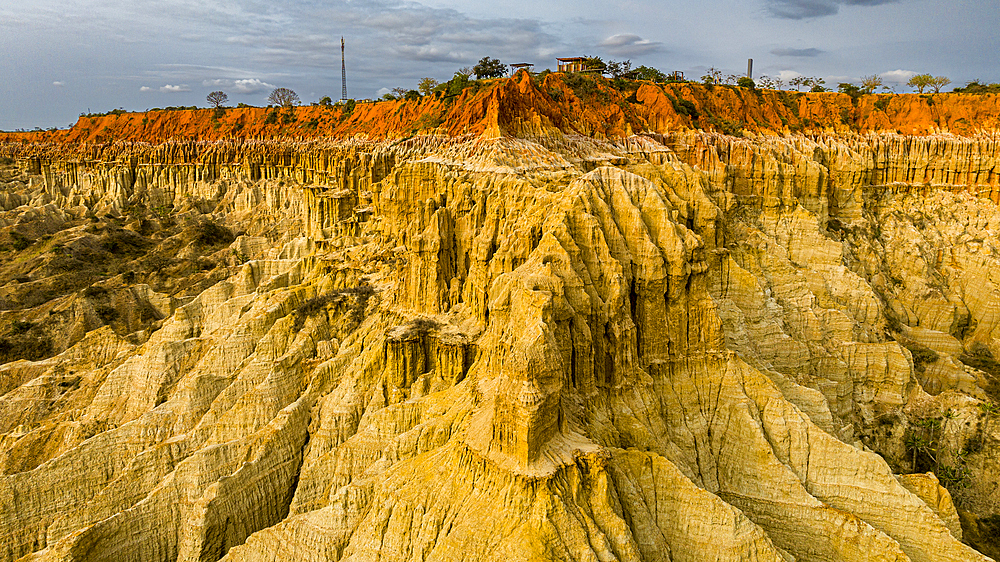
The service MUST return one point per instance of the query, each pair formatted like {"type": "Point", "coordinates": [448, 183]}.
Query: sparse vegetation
{"type": "Point", "coordinates": [356, 297]}
{"type": "Point", "coordinates": [208, 233]}
{"type": "Point", "coordinates": [977, 87]}
{"type": "Point", "coordinates": [489, 68]}
{"type": "Point", "coordinates": [712, 76]}
{"type": "Point", "coordinates": [920, 82]}
{"type": "Point", "coordinates": [217, 99]}
{"type": "Point", "coordinates": [426, 86]}
{"type": "Point", "coordinates": [648, 73]}
{"type": "Point", "coordinates": [19, 241]}
{"type": "Point", "coordinates": [870, 83]}
{"type": "Point", "coordinates": [586, 86]}
{"type": "Point", "coordinates": [423, 325]}
{"type": "Point", "coordinates": [283, 97]}
{"type": "Point", "coordinates": [922, 356]}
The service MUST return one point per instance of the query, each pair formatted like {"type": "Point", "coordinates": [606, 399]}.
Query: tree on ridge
{"type": "Point", "coordinates": [870, 83]}
{"type": "Point", "coordinates": [489, 68]}
{"type": "Point", "coordinates": [217, 98]}
{"type": "Point", "coordinates": [920, 81]}
{"type": "Point", "coordinates": [283, 97]}
{"type": "Point", "coordinates": [939, 82]}
{"type": "Point", "coordinates": [426, 85]}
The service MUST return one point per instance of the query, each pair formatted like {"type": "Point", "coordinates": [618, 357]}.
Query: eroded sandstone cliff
{"type": "Point", "coordinates": [555, 329]}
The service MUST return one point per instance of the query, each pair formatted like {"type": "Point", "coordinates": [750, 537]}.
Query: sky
{"type": "Point", "coordinates": [61, 58]}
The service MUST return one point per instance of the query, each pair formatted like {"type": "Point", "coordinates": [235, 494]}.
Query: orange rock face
{"type": "Point", "coordinates": [526, 106]}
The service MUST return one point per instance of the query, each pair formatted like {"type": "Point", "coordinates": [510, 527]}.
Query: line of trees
{"type": "Point", "coordinates": [923, 81]}
{"type": "Point", "coordinates": [488, 68]}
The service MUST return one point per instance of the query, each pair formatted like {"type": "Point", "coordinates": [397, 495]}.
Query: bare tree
{"type": "Point", "coordinates": [283, 97]}
{"type": "Point", "coordinates": [770, 83]}
{"type": "Point", "coordinates": [217, 98]}
{"type": "Point", "coordinates": [712, 76]}
{"type": "Point", "coordinates": [798, 82]}
{"type": "Point", "coordinates": [815, 84]}
{"type": "Point", "coordinates": [870, 83]}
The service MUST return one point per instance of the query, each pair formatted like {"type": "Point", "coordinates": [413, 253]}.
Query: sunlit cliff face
{"type": "Point", "coordinates": [531, 335]}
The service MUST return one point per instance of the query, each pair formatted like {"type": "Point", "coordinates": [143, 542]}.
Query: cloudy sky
{"type": "Point", "coordinates": [59, 58]}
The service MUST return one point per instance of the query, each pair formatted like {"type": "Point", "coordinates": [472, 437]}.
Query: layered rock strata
{"type": "Point", "coordinates": [663, 346]}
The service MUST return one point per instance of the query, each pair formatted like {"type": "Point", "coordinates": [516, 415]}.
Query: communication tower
{"type": "Point", "coordinates": [343, 71]}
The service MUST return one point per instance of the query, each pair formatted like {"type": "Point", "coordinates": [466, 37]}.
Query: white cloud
{"type": "Point", "coordinates": [251, 85]}
{"type": "Point", "coordinates": [628, 44]}
{"type": "Point", "coordinates": [898, 76]}
{"type": "Point", "coordinates": [177, 88]}
{"type": "Point", "coordinates": [381, 92]}
{"type": "Point", "coordinates": [145, 89]}
{"type": "Point", "coordinates": [58, 84]}
{"type": "Point", "coordinates": [786, 75]}
{"type": "Point", "coordinates": [244, 86]}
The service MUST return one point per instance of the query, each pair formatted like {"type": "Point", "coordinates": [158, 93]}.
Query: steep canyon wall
{"type": "Point", "coordinates": [525, 339]}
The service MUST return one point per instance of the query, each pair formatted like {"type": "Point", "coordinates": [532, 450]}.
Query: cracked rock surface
{"type": "Point", "coordinates": [680, 346]}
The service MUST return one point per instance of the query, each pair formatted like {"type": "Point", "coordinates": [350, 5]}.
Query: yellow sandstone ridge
{"type": "Point", "coordinates": [528, 339]}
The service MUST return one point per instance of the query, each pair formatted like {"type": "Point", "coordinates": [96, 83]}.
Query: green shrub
{"type": "Point", "coordinates": [689, 108]}
{"type": "Point", "coordinates": [358, 296]}
{"type": "Point", "coordinates": [731, 128]}
{"type": "Point", "coordinates": [922, 356]}
{"type": "Point", "coordinates": [20, 241]}
{"type": "Point", "coordinates": [424, 325]}
{"type": "Point", "coordinates": [347, 109]}
{"type": "Point", "coordinates": [586, 86]}
{"type": "Point", "coordinates": [977, 87]}
{"type": "Point", "coordinates": [208, 233]}
{"type": "Point", "coordinates": [746, 82]}
{"type": "Point", "coordinates": [107, 314]}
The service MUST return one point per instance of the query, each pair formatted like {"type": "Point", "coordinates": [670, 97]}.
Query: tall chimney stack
{"type": "Point", "coordinates": [750, 69]}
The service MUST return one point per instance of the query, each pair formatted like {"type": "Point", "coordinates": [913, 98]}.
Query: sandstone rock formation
{"type": "Point", "coordinates": [525, 339]}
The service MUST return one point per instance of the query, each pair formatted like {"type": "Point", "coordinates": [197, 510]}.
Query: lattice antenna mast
{"type": "Point", "coordinates": [343, 71]}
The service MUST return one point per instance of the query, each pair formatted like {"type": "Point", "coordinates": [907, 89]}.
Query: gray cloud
{"type": "Point", "coordinates": [627, 44]}
{"type": "Point", "coordinates": [802, 9]}
{"type": "Point", "coordinates": [789, 52]}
